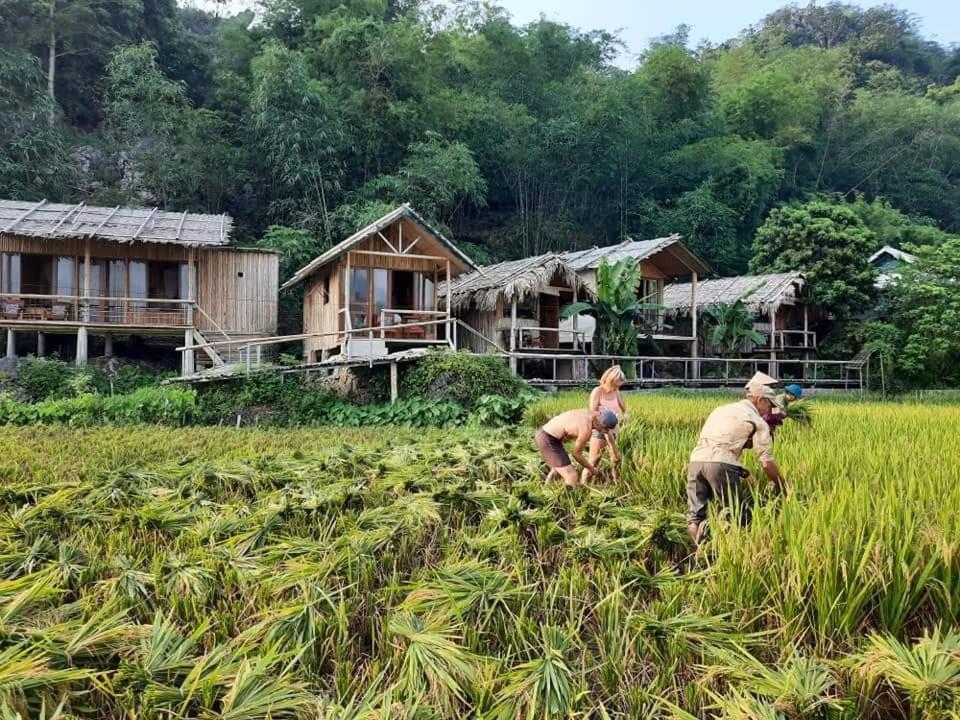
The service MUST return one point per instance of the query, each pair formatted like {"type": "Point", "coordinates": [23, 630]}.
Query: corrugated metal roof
{"type": "Point", "coordinates": [377, 226]}
{"type": "Point", "coordinates": [117, 224]}
{"type": "Point", "coordinates": [893, 252]}
{"type": "Point", "coordinates": [758, 292]}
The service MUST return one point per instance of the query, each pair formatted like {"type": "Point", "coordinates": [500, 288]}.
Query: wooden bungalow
{"type": "Point", "coordinates": [779, 302]}
{"type": "Point", "coordinates": [661, 260]}
{"type": "Point", "coordinates": [515, 305]}
{"type": "Point", "coordinates": [377, 291]}
{"type": "Point", "coordinates": [119, 272]}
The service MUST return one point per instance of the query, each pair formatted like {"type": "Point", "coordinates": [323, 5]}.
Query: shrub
{"type": "Point", "coordinates": [156, 406]}
{"type": "Point", "coordinates": [460, 377]}
{"type": "Point", "coordinates": [44, 379]}
{"type": "Point", "coordinates": [496, 410]}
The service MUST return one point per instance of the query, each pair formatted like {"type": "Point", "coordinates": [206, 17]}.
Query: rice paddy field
{"type": "Point", "coordinates": [394, 574]}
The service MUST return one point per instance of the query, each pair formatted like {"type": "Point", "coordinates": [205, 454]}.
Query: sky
{"type": "Point", "coordinates": [715, 20]}
{"type": "Point", "coordinates": [637, 21]}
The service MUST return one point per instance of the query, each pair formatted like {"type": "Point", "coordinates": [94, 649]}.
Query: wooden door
{"type": "Point", "coordinates": [549, 318]}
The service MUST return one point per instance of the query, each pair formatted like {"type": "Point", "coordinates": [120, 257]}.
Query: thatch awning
{"type": "Point", "coordinates": [679, 257]}
{"type": "Point", "coordinates": [117, 224]}
{"type": "Point", "coordinates": [760, 293]}
{"type": "Point", "coordinates": [459, 257]}
{"type": "Point", "coordinates": [513, 280]}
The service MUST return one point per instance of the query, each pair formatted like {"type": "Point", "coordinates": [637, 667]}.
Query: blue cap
{"type": "Point", "coordinates": [794, 390]}
{"type": "Point", "coordinates": [608, 419]}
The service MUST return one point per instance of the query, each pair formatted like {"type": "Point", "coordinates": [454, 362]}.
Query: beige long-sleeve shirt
{"type": "Point", "coordinates": [727, 430]}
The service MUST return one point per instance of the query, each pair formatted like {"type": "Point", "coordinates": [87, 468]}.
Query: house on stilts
{"type": "Point", "coordinates": [515, 306]}
{"type": "Point", "coordinates": [779, 304]}
{"type": "Point", "coordinates": [74, 275]}
{"type": "Point", "coordinates": [662, 261]}
{"type": "Point", "coordinates": [376, 292]}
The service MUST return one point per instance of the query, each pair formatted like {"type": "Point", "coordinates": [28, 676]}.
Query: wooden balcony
{"type": "Point", "coordinates": [49, 312]}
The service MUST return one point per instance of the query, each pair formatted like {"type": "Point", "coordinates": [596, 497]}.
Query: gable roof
{"type": "Point", "coordinates": [759, 293]}
{"type": "Point", "coordinates": [373, 228]}
{"type": "Point", "coordinates": [894, 253]}
{"type": "Point", "coordinates": [117, 224]}
{"type": "Point", "coordinates": [511, 279]}
{"type": "Point", "coordinates": [639, 250]}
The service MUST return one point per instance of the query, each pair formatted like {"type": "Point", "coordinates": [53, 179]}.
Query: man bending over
{"type": "Point", "coordinates": [577, 425]}
{"type": "Point", "coordinates": [715, 471]}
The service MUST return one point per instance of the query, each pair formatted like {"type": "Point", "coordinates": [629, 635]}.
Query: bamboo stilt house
{"type": "Point", "coordinates": [377, 290]}
{"type": "Point", "coordinates": [779, 304]}
{"type": "Point", "coordinates": [516, 304]}
{"type": "Point", "coordinates": [661, 261]}
{"type": "Point", "coordinates": [83, 271]}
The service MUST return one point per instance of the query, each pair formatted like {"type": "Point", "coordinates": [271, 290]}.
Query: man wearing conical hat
{"type": "Point", "coordinates": [715, 471]}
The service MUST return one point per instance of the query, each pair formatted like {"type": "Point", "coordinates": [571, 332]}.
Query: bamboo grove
{"type": "Point", "coordinates": [348, 574]}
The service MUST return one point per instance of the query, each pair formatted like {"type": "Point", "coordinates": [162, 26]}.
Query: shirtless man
{"type": "Point", "coordinates": [575, 425]}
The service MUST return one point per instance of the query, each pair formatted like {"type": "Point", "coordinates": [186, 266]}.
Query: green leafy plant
{"type": "Point", "coordinates": [729, 325]}
{"type": "Point", "coordinates": [617, 309]}
{"type": "Point", "coordinates": [460, 377]}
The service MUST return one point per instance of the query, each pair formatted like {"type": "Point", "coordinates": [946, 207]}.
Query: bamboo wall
{"type": "Point", "coordinates": [238, 289]}
{"type": "Point", "coordinates": [100, 249]}
{"type": "Point", "coordinates": [320, 317]}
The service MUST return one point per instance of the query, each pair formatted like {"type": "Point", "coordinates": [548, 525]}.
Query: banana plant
{"type": "Point", "coordinates": [617, 310]}
{"type": "Point", "coordinates": [729, 324]}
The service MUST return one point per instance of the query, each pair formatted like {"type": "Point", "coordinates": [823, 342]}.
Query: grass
{"type": "Point", "coordinates": [359, 574]}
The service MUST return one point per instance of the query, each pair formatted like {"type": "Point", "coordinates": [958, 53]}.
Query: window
{"type": "Point", "coordinates": [166, 281]}
{"type": "Point", "coordinates": [326, 289]}
{"type": "Point", "coordinates": [425, 293]}
{"type": "Point", "coordinates": [66, 276]}
{"type": "Point", "coordinates": [10, 273]}
{"type": "Point", "coordinates": [137, 281]}
{"type": "Point", "coordinates": [36, 274]}
{"type": "Point", "coordinates": [381, 291]}
{"type": "Point", "coordinates": [359, 297]}
{"type": "Point", "coordinates": [117, 278]}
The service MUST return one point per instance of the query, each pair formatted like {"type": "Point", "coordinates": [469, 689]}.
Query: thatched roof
{"type": "Point", "coordinates": [759, 293]}
{"type": "Point", "coordinates": [513, 279]}
{"type": "Point", "coordinates": [116, 224]}
{"type": "Point", "coordinates": [639, 250]}
{"type": "Point", "coordinates": [372, 229]}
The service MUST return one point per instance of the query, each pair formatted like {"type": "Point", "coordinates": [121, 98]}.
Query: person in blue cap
{"type": "Point", "coordinates": [778, 412]}
{"type": "Point", "coordinates": [577, 425]}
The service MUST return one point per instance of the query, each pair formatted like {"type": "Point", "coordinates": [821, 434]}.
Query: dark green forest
{"type": "Point", "coordinates": [313, 116]}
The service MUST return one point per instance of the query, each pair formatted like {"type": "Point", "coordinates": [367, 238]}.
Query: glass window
{"type": "Point", "coordinates": [359, 297]}
{"type": "Point", "coordinates": [425, 294]}
{"type": "Point", "coordinates": [117, 274]}
{"type": "Point", "coordinates": [381, 291]}
{"type": "Point", "coordinates": [164, 280]}
{"type": "Point", "coordinates": [66, 276]}
{"type": "Point", "coordinates": [137, 283]}
{"type": "Point", "coordinates": [10, 273]}
{"type": "Point", "coordinates": [98, 278]}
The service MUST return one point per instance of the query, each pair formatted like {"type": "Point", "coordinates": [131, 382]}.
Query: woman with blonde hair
{"type": "Point", "coordinates": [606, 396]}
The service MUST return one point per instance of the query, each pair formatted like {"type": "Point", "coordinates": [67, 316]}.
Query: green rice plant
{"type": "Point", "coordinates": [341, 573]}
{"type": "Point", "coordinates": [926, 672]}
{"type": "Point", "coordinates": [431, 663]}
{"type": "Point", "coordinates": [542, 687]}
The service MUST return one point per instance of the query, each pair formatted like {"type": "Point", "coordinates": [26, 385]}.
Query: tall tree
{"type": "Point", "coordinates": [827, 242]}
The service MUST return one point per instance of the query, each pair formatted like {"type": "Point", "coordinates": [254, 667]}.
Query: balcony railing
{"type": "Point", "coordinates": [135, 312]}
